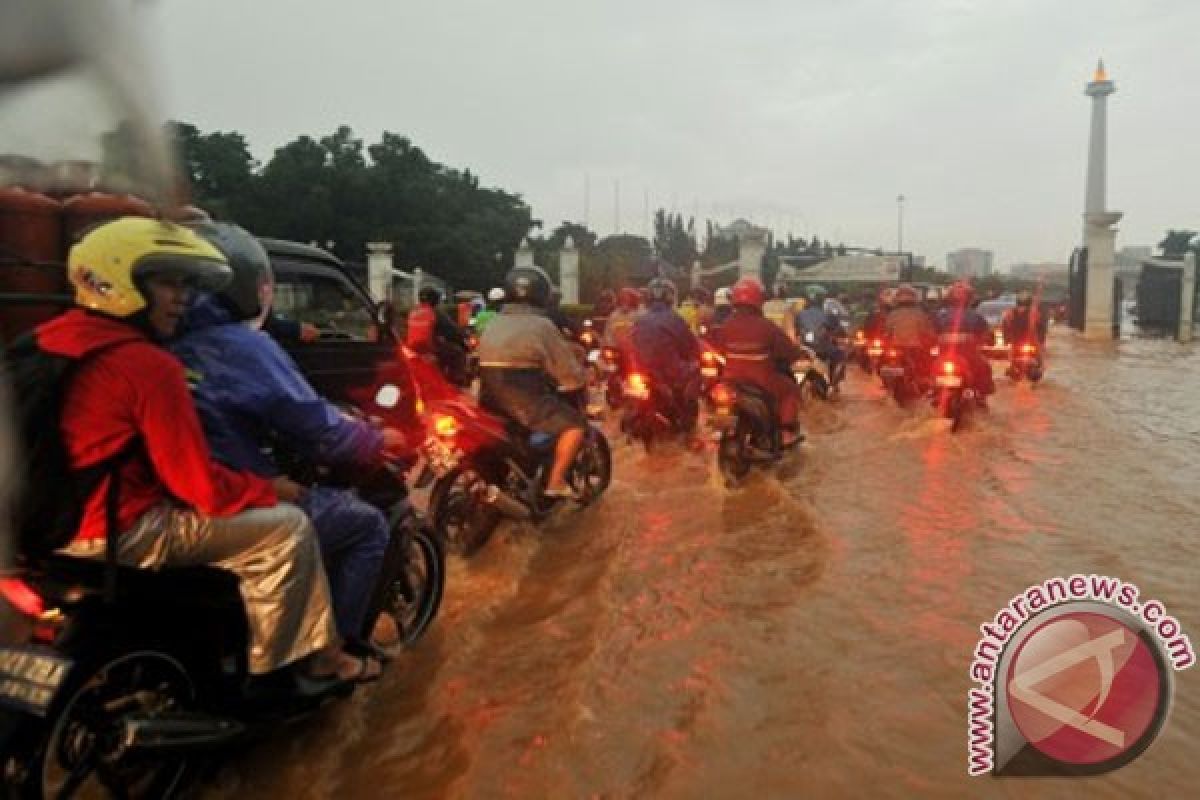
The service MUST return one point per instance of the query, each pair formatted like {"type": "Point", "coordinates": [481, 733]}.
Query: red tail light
{"type": "Point", "coordinates": [948, 367]}
{"type": "Point", "coordinates": [893, 353]}
{"type": "Point", "coordinates": [1029, 349]}
{"type": "Point", "coordinates": [722, 395]}
{"type": "Point", "coordinates": [877, 343]}
{"type": "Point", "coordinates": [637, 386]}
{"type": "Point", "coordinates": [860, 337]}
{"type": "Point", "coordinates": [22, 597]}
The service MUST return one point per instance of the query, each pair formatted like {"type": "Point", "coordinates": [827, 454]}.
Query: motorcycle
{"type": "Point", "coordinates": [1026, 363]}
{"type": "Point", "coordinates": [612, 365]}
{"type": "Point", "coordinates": [953, 392]}
{"type": "Point", "coordinates": [653, 409]}
{"type": "Point", "coordinates": [744, 417]}
{"type": "Point", "coordinates": [901, 375]}
{"type": "Point", "coordinates": [122, 681]}
{"type": "Point", "coordinates": [484, 467]}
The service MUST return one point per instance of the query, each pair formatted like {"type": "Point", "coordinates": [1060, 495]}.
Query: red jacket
{"type": "Point", "coordinates": [421, 322]}
{"type": "Point", "coordinates": [134, 388]}
{"type": "Point", "coordinates": [754, 347]}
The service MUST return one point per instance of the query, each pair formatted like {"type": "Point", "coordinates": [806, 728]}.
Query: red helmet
{"type": "Point", "coordinates": [629, 299]}
{"type": "Point", "coordinates": [749, 292]}
{"type": "Point", "coordinates": [906, 295]}
{"type": "Point", "coordinates": [960, 294]}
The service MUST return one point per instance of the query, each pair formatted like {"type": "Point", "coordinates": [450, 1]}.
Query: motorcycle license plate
{"type": "Point", "coordinates": [874, 352]}
{"type": "Point", "coordinates": [949, 381]}
{"type": "Point", "coordinates": [891, 372]}
{"type": "Point", "coordinates": [29, 678]}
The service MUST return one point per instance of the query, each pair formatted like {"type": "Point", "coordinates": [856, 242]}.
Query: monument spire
{"type": "Point", "coordinates": [1099, 236]}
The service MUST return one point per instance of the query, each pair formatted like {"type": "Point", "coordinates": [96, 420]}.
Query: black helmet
{"type": "Point", "coordinates": [661, 291]}
{"type": "Point", "coordinates": [530, 285]}
{"type": "Point", "coordinates": [249, 261]}
{"type": "Point", "coordinates": [429, 295]}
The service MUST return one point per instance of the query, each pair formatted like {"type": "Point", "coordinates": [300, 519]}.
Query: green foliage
{"type": "Point", "coordinates": [673, 241]}
{"type": "Point", "coordinates": [1176, 243]}
{"type": "Point", "coordinates": [338, 189]}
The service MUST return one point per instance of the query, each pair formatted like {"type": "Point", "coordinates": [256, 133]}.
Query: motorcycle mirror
{"type": "Point", "coordinates": [388, 396]}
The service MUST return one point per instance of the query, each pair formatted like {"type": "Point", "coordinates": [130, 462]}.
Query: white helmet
{"type": "Point", "coordinates": [495, 295]}
{"type": "Point", "coordinates": [723, 297]}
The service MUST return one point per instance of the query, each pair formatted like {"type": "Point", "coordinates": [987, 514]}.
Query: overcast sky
{"type": "Point", "coordinates": [802, 115]}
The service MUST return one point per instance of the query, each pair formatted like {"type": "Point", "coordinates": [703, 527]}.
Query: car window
{"type": "Point", "coordinates": [326, 302]}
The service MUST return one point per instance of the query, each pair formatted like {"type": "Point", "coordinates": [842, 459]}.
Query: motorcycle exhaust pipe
{"type": "Point", "coordinates": [505, 503]}
{"type": "Point", "coordinates": [178, 732]}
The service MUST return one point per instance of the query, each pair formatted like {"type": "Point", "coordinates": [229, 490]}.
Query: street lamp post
{"type": "Point", "coordinates": [899, 224]}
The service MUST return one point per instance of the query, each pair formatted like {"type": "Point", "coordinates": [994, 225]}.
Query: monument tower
{"type": "Point", "coordinates": [1099, 235]}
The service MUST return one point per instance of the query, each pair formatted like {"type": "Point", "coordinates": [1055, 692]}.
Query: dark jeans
{"type": "Point", "coordinates": [353, 536]}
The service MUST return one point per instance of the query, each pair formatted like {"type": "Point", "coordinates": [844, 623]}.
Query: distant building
{"type": "Point", "coordinates": [969, 262]}
{"type": "Point", "coordinates": [1047, 271]}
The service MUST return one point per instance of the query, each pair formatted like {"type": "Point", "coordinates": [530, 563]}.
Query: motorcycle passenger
{"type": "Point", "coordinates": [665, 348]}
{"type": "Point", "coordinates": [495, 298]}
{"type": "Point", "coordinates": [177, 506]}
{"type": "Point", "coordinates": [704, 309]}
{"type": "Point", "coordinates": [819, 330]}
{"type": "Point", "coordinates": [522, 355]}
{"type": "Point", "coordinates": [759, 352]}
{"type": "Point", "coordinates": [689, 312]}
{"type": "Point", "coordinates": [722, 308]}
{"type": "Point", "coordinates": [910, 329]}
{"type": "Point", "coordinates": [1023, 322]}
{"type": "Point", "coordinates": [246, 388]}
{"type": "Point", "coordinates": [963, 330]}
{"type": "Point", "coordinates": [433, 335]}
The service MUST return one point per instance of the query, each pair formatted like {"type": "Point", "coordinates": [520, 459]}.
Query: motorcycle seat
{"type": "Point", "coordinates": [194, 586]}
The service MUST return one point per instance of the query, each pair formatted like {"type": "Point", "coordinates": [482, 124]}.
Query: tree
{"type": "Point", "coordinates": [220, 168]}
{"type": "Point", "coordinates": [1176, 243]}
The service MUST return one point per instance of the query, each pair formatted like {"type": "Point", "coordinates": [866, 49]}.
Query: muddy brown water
{"type": "Point", "coordinates": [808, 635]}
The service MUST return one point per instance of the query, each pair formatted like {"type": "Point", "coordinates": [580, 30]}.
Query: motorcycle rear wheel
{"type": "Point", "coordinates": [591, 473]}
{"type": "Point", "coordinates": [79, 752]}
{"type": "Point", "coordinates": [732, 453]}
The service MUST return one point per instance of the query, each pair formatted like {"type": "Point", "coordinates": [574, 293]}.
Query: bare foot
{"type": "Point", "coordinates": [386, 632]}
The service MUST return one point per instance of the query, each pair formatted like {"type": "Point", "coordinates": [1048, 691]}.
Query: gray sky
{"type": "Point", "coordinates": [808, 116]}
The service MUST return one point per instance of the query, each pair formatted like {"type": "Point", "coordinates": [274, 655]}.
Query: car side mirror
{"type": "Point", "coordinates": [388, 396]}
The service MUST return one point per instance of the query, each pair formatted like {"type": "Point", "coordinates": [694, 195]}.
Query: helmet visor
{"type": "Point", "coordinates": [201, 274]}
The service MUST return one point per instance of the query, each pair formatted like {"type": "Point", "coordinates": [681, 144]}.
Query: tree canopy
{"type": "Point", "coordinates": [337, 189]}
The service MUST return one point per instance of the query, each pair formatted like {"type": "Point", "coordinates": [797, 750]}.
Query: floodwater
{"type": "Point", "coordinates": [808, 635]}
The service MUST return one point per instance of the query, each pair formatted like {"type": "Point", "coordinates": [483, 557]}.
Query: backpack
{"type": "Point", "coordinates": [49, 504]}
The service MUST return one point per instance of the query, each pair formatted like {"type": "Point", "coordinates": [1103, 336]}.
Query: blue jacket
{"type": "Point", "coordinates": [964, 327]}
{"type": "Point", "coordinates": [245, 386]}
{"type": "Point", "coordinates": [664, 345]}
{"type": "Point", "coordinates": [821, 324]}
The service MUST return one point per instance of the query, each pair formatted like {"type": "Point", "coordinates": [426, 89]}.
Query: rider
{"type": "Point", "coordinates": [495, 298]}
{"type": "Point", "coordinates": [177, 506]}
{"type": "Point", "coordinates": [520, 354]}
{"type": "Point", "coordinates": [1023, 322]}
{"type": "Point", "coordinates": [619, 330]}
{"type": "Point", "coordinates": [782, 311]}
{"type": "Point", "coordinates": [605, 304]}
{"type": "Point", "coordinates": [689, 312]}
{"type": "Point", "coordinates": [910, 329]}
{"type": "Point", "coordinates": [963, 330]}
{"type": "Point", "coordinates": [819, 330]}
{"type": "Point", "coordinates": [875, 326]}
{"type": "Point", "coordinates": [246, 387]}
{"type": "Point", "coordinates": [758, 352]}
{"type": "Point", "coordinates": [666, 349]}
{"type": "Point", "coordinates": [434, 335]}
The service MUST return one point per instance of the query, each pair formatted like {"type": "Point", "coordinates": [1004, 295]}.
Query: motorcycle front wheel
{"type": "Point", "coordinates": [733, 453]}
{"type": "Point", "coordinates": [459, 514]}
{"type": "Point", "coordinates": [414, 593]}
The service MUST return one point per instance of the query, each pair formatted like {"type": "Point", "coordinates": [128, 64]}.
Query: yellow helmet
{"type": "Point", "coordinates": [106, 265]}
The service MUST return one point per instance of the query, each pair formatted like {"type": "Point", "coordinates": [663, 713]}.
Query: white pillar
{"type": "Point", "coordinates": [524, 257]}
{"type": "Point", "coordinates": [1099, 90]}
{"type": "Point", "coordinates": [568, 272]}
{"type": "Point", "coordinates": [417, 274]}
{"type": "Point", "coordinates": [1187, 286]}
{"type": "Point", "coordinates": [752, 246]}
{"type": "Point", "coordinates": [379, 271]}
{"type": "Point", "coordinates": [1101, 242]}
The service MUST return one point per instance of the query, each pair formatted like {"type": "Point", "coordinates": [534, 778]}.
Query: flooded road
{"type": "Point", "coordinates": [807, 635]}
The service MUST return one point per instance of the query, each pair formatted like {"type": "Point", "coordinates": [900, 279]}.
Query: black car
{"type": "Point", "coordinates": [356, 351]}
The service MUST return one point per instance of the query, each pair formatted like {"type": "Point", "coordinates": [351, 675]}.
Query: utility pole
{"type": "Point", "coordinates": [617, 206]}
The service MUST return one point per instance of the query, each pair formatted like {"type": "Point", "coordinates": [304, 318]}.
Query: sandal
{"type": "Point", "coordinates": [364, 672]}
